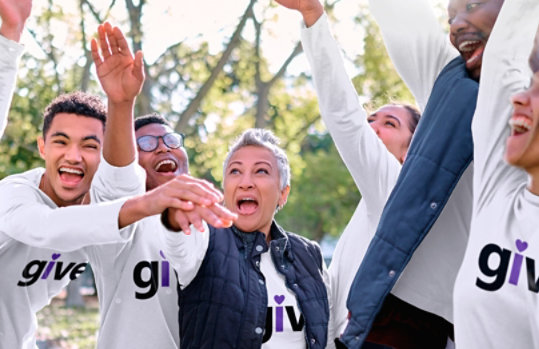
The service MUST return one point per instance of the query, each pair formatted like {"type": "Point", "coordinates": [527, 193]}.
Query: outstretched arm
{"type": "Point", "coordinates": [504, 72]}
{"type": "Point", "coordinates": [121, 75]}
{"type": "Point", "coordinates": [14, 14]}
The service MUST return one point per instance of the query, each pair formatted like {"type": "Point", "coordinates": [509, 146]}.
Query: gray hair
{"type": "Point", "coordinates": [266, 139]}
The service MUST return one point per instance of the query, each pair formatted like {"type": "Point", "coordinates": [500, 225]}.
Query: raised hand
{"type": "Point", "coordinates": [121, 75]}
{"type": "Point", "coordinates": [14, 14]}
{"type": "Point", "coordinates": [311, 10]}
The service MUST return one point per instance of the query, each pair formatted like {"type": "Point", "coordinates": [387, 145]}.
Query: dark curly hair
{"type": "Point", "coordinates": [148, 119]}
{"type": "Point", "coordinates": [80, 103]}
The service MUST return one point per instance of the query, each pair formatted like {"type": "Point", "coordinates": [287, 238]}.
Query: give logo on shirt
{"type": "Point", "coordinates": [291, 322]}
{"type": "Point", "coordinates": [494, 262]}
{"type": "Point", "coordinates": [147, 275]}
{"type": "Point", "coordinates": [54, 268]}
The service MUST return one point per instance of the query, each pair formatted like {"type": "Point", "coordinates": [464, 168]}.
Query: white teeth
{"type": "Point", "coordinates": [467, 46]}
{"type": "Point", "coordinates": [71, 170]}
{"type": "Point", "coordinates": [520, 124]}
{"type": "Point", "coordinates": [165, 162]}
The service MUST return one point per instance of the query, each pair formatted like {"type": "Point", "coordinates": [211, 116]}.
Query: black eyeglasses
{"type": "Point", "coordinates": [150, 143]}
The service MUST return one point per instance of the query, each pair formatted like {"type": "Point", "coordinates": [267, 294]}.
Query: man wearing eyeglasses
{"type": "Point", "coordinates": [135, 283]}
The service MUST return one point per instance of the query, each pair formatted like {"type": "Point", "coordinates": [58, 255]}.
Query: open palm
{"type": "Point", "coordinates": [121, 75]}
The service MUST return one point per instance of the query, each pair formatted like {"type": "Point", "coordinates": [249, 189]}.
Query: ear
{"type": "Point", "coordinates": [41, 146]}
{"type": "Point", "coordinates": [284, 196]}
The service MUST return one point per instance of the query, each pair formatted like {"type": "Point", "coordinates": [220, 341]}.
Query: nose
{"type": "Point", "coordinates": [73, 154]}
{"type": "Point", "coordinates": [161, 147]}
{"type": "Point", "coordinates": [520, 99]}
{"type": "Point", "coordinates": [458, 23]}
{"type": "Point", "coordinates": [246, 181]}
{"type": "Point", "coordinates": [375, 127]}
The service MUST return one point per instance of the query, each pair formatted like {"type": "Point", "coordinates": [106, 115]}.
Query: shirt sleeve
{"type": "Point", "coordinates": [415, 41]}
{"type": "Point", "coordinates": [28, 219]}
{"type": "Point", "coordinates": [111, 182]}
{"type": "Point", "coordinates": [374, 169]}
{"type": "Point", "coordinates": [332, 331]}
{"type": "Point", "coordinates": [504, 72]}
{"type": "Point", "coordinates": [9, 61]}
{"type": "Point", "coordinates": [186, 252]}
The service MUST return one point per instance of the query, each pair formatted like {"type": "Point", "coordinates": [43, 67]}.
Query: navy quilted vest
{"type": "Point", "coordinates": [225, 305]}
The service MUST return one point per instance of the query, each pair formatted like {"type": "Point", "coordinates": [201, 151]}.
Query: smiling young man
{"type": "Point", "coordinates": [135, 284]}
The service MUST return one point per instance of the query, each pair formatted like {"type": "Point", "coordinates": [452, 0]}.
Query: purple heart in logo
{"type": "Point", "coordinates": [279, 299]}
{"type": "Point", "coordinates": [521, 245]}
{"type": "Point", "coordinates": [56, 256]}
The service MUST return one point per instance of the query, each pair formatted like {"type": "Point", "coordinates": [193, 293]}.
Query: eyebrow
{"type": "Point", "coordinates": [388, 115]}
{"type": "Point", "coordinates": [264, 162]}
{"type": "Point", "coordinates": [62, 134]}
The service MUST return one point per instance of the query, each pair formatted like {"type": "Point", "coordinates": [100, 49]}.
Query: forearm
{"type": "Point", "coordinates": [504, 72]}
{"type": "Point", "coordinates": [9, 61]}
{"type": "Point", "coordinates": [62, 229]}
{"type": "Point", "coordinates": [112, 182]}
{"type": "Point", "coordinates": [119, 144]}
{"type": "Point", "coordinates": [186, 252]}
{"type": "Point", "coordinates": [373, 168]}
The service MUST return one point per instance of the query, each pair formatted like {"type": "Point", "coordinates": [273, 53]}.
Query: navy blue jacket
{"type": "Point", "coordinates": [441, 150]}
{"type": "Point", "coordinates": [226, 303]}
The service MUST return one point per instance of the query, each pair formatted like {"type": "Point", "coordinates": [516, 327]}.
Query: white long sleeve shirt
{"type": "Point", "coordinates": [419, 49]}
{"type": "Point", "coordinates": [9, 61]}
{"type": "Point", "coordinates": [36, 238]}
{"type": "Point", "coordinates": [136, 285]}
{"type": "Point", "coordinates": [496, 292]}
{"type": "Point", "coordinates": [374, 169]}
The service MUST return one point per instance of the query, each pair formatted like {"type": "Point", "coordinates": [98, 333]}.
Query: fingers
{"type": "Point", "coordinates": [98, 60]}
{"type": "Point", "coordinates": [138, 66]}
{"type": "Point", "coordinates": [198, 191]}
{"type": "Point", "coordinates": [179, 219]}
{"type": "Point", "coordinates": [120, 43]}
{"type": "Point", "coordinates": [102, 31]}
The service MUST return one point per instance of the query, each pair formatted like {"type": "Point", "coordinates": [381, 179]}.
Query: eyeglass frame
{"type": "Point", "coordinates": [182, 139]}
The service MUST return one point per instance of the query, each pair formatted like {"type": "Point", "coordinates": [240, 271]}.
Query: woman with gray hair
{"type": "Point", "coordinates": [254, 284]}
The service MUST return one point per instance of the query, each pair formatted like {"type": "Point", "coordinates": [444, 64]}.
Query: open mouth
{"type": "Point", "coordinates": [166, 166]}
{"type": "Point", "coordinates": [70, 176]}
{"type": "Point", "coordinates": [247, 205]}
{"type": "Point", "coordinates": [471, 51]}
{"type": "Point", "coordinates": [520, 125]}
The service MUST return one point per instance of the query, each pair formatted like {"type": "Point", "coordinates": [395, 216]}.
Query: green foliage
{"type": "Point", "coordinates": [62, 327]}
{"type": "Point", "coordinates": [378, 79]}
{"type": "Point", "coordinates": [323, 198]}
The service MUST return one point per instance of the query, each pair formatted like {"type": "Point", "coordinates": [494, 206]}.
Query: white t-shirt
{"type": "Point", "coordinates": [284, 324]}
{"type": "Point", "coordinates": [496, 292]}
{"type": "Point", "coordinates": [9, 61]}
{"type": "Point", "coordinates": [35, 239]}
{"type": "Point", "coordinates": [136, 285]}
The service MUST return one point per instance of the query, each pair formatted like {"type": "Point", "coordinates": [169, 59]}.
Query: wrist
{"type": "Point", "coordinates": [165, 220]}
{"type": "Point", "coordinates": [12, 32]}
{"type": "Point", "coordinates": [311, 16]}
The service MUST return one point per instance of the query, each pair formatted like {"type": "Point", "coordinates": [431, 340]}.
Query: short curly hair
{"type": "Point", "coordinates": [80, 103]}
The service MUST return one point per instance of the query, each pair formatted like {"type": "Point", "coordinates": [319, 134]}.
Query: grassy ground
{"type": "Point", "coordinates": [73, 328]}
